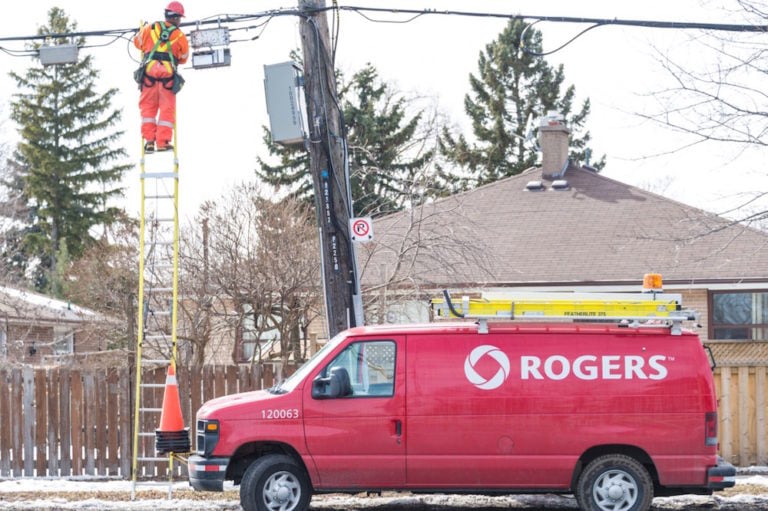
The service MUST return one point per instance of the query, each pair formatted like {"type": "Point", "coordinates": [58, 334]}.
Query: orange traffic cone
{"type": "Point", "coordinates": [171, 436]}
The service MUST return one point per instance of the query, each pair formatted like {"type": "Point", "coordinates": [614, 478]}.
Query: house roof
{"type": "Point", "coordinates": [598, 231]}
{"type": "Point", "coordinates": [17, 304]}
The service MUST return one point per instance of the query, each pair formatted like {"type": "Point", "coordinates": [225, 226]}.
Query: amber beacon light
{"type": "Point", "coordinates": [652, 283]}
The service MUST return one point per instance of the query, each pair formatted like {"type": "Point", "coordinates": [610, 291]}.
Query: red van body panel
{"type": "Point", "coordinates": [567, 390]}
{"type": "Point", "coordinates": [347, 437]}
{"type": "Point", "coordinates": [443, 407]}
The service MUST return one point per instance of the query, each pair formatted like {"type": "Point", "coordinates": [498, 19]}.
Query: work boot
{"type": "Point", "coordinates": [149, 146]}
{"type": "Point", "coordinates": [164, 146]}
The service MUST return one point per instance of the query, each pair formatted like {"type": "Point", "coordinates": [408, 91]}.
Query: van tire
{"type": "Point", "coordinates": [275, 482]}
{"type": "Point", "coordinates": [613, 482]}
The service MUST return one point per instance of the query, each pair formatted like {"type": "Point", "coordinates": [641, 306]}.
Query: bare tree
{"type": "Point", "coordinates": [13, 213]}
{"type": "Point", "coordinates": [250, 264]}
{"type": "Point", "coordinates": [104, 279]}
{"type": "Point", "coordinates": [723, 101]}
{"type": "Point", "coordinates": [411, 252]}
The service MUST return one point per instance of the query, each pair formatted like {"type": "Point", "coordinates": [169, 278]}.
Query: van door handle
{"type": "Point", "coordinates": [398, 427]}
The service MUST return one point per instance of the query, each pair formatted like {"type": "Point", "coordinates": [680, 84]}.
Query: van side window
{"type": "Point", "coordinates": [371, 368]}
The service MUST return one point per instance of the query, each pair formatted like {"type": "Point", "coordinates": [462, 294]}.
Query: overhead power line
{"type": "Point", "coordinates": [560, 19]}
{"type": "Point", "coordinates": [412, 14]}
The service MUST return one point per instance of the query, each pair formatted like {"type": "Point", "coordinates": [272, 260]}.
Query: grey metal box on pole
{"type": "Point", "coordinates": [282, 85]}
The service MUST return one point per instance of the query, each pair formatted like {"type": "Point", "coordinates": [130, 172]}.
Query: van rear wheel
{"type": "Point", "coordinates": [275, 483]}
{"type": "Point", "coordinates": [614, 483]}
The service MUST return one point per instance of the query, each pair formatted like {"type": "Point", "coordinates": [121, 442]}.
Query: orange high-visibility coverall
{"type": "Point", "coordinates": [156, 95]}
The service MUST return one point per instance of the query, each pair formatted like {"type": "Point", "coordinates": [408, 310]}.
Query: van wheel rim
{"type": "Point", "coordinates": [615, 490]}
{"type": "Point", "coordinates": [282, 492]}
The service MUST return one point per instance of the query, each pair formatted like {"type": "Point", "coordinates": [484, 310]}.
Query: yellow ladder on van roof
{"type": "Point", "coordinates": [574, 306]}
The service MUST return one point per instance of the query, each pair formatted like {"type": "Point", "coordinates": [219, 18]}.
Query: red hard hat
{"type": "Point", "coordinates": [175, 8]}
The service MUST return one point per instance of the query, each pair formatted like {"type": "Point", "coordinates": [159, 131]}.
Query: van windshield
{"type": "Point", "coordinates": [292, 381]}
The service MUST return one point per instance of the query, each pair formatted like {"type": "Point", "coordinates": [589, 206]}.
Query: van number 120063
{"type": "Point", "coordinates": [280, 413]}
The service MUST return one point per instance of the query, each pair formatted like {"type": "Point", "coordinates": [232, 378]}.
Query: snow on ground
{"type": "Point", "coordinates": [48, 494]}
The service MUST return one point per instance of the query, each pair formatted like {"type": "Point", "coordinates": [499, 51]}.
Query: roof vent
{"type": "Point", "coordinates": [534, 186]}
{"type": "Point", "coordinates": [560, 184]}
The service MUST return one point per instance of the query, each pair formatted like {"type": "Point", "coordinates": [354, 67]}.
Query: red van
{"type": "Point", "coordinates": [615, 415]}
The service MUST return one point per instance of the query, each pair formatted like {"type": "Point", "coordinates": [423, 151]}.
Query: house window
{"type": "Point", "coordinates": [260, 337]}
{"type": "Point", "coordinates": [739, 315]}
{"type": "Point", "coordinates": [63, 341]}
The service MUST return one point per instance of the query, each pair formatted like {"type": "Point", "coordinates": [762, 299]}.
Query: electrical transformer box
{"type": "Point", "coordinates": [282, 84]}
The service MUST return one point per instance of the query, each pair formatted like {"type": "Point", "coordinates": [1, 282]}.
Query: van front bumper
{"type": "Point", "coordinates": [207, 474]}
{"type": "Point", "coordinates": [721, 476]}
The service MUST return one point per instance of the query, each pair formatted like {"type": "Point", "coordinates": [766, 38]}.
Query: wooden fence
{"type": "Point", "coordinates": [60, 422]}
{"type": "Point", "coordinates": [742, 411]}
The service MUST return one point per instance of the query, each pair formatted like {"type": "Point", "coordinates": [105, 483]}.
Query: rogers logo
{"type": "Point", "coordinates": [592, 367]}
{"type": "Point", "coordinates": [479, 381]}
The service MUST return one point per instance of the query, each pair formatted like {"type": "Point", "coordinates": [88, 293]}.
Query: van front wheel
{"type": "Point", "coordinates": [614, 483]}
{"type": "Point", "coordinates": [275, 483]}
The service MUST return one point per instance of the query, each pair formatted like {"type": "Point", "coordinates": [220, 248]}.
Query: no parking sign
{"type": "Point", "coordinates": [361, 229]}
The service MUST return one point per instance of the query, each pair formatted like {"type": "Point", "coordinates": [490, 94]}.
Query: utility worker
{"type": "Point", "coordinates": [164, 46]}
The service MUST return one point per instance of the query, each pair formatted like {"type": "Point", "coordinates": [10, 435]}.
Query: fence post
{"type": "Point", "coordinates": [5, 423]}
{"type": "Point", "coordinates": [65, 425]}
{"type": "Point", "coordinates": [28, 423]}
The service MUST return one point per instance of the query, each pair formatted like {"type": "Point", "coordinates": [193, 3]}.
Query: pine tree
{"type": "Point", "coordinates": [513, 88]}
{"type": "Point", "coordinates": [68, 155]}
{"type": "Point", "coordinates": [384, 169]}
{"type": "Point", "coordinates": [387, 152]}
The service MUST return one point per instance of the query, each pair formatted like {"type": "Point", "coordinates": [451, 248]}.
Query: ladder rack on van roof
{"type": "Point", "coordinates": [648, 308]}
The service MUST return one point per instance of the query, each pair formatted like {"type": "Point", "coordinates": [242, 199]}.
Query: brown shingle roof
{"type": "Point", "coordinates": [597, 231]}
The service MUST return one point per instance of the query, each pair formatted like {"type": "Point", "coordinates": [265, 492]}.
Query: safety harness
{"type": "Point", "coordinates": [175, 80]}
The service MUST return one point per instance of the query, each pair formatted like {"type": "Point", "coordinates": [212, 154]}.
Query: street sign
{"type": "Point", "coordinates": [361, 229]}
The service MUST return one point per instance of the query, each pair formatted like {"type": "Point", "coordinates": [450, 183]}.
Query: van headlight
{"type": "Point", "coordinates": [207, 436]}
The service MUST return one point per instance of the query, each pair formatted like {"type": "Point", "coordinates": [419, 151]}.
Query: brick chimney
{"type": "Point", "coordinates": [553, 136]}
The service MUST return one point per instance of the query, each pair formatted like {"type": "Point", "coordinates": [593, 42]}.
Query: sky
{"type": "Point", "coordinates": [221, 111]}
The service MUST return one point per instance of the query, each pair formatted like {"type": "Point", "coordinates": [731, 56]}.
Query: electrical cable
{"type": "Point", "coordinates": [335, 32]}
{"type": "Point", "coordinates": [389, 21]}
{"type": "Point", "coordinates": [547, 53]}
{"type": "Point", "coordinates": [18, 53]}
{"type": "Point", "coordinates": [415, 14]}
{"type": "Point", "coordinates": [562, 19]}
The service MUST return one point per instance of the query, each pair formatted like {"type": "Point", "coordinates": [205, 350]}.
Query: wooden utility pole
{"type": "Point", "coordinates": [329, 176]}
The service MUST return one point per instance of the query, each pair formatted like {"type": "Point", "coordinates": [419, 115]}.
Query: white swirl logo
{"type": "Point", "coordinates": [479, 381]}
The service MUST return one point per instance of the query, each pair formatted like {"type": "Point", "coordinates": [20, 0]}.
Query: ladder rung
{"type": "Point", "coordinates": [152, 458]}
{"type": "Point", "coordinates": [155, 361]}
{"type": "Point", "coordinates": [158, 196]}
{"type": "Point", "coordinates": [147, 434]}
{"type": "Point", "coordinates": [160, 313]}
{"type": "Point", "coordinates": [159, 175]}
{"type": "Point", "coordinates": [158, 337]}
{"type": "Point", "coordinates": [161, 243]}
{"type": "Point", "coordinates": [160, 290]}
{"type": "Point", "coordinates": [152, 385]}
{"type": "Point", "coordinates": [154, 483]}
{"type": "Point", "coordinates": [151, 410]}
{"type": "Point", "coordinates": [165, 219]}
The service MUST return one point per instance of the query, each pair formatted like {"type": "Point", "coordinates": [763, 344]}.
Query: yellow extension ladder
{"type": "Point", "coordinates": [574, 306]}
{"type": "Point", "coordinates": [156, 344]}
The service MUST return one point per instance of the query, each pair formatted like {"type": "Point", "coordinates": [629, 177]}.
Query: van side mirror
{"type": "Point", "coordinates": [336, 385]}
